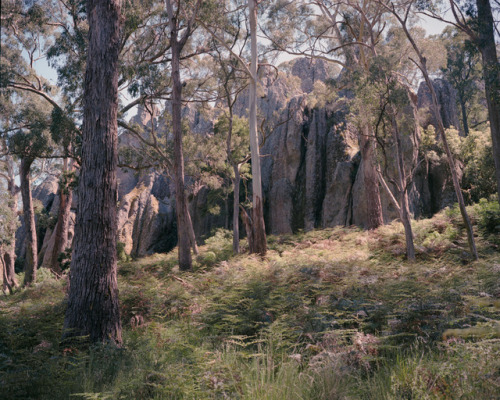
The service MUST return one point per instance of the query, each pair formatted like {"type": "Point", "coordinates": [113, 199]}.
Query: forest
{"type": "Point", "coordinates": [250, 199]}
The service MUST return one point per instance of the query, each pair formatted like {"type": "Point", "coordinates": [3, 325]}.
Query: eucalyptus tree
{"type": "Point", "coordinates": [230, 37]}
{"type": "Point", "coordinates": [258, 239]}
{"type": "Point", "coordinates": [233, 131]}
{"type": "Point", "coordinates": [62, 28]}
{"type": "Point", "coordinates": [52, 30]}
{"type": "Point", "coordinates": [402, 11]}
{"type": "Point", "coordinates": [67, 138]}
{"type": "Point", "coordinates": [256, 230]}
{"type": "Point", "coordinates": [93, 309]}
{"type": "Point", "coordinates": [397, 132]}
{"type": "Point", "coordinates": [182, 23]}
{"type": "Point", "coordinates": [173, 37]}
{"type": "Point", "coordinates": [30, 141]}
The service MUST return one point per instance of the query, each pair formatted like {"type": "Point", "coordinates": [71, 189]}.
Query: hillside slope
{"type": "Point", "coordinates": [335, 313]}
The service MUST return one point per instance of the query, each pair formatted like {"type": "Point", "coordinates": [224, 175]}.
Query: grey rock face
{"type": "Point", "coordinates": [337, 205]}
{"type": "Point", "coordinates": [447, 99]}
{"type": "Point", "coordinates": [310, 71]}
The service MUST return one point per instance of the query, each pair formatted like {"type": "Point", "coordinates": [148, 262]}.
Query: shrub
{"type": "Point", "coordinates": [121, 253]}
{"type": "Point", "coordinates": [220, 245]}
{"type": "Point", "coordinates": [489, 216]}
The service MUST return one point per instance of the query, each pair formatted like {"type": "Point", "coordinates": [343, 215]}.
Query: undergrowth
{"type": "Point", "coordinates": [328, 314]}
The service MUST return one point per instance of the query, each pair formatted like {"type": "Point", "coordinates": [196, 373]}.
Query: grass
{"type": "Point", "coordinates": [328, 314]}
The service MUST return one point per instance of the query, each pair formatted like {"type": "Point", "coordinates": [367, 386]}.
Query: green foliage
{"type": "Point", "coordinates": [220, 245]}
{"type": "Point", "coordinates": [428, 139]}
{"type": "Point", "coordinates": [8, 221]}
{"type": "Point", "coordinates": [463, 71]}
{"type": "Point", "coordinates": [479, 175]}
{"type": "Point", "coordinates": [334, 313]}
{"type": "Point", "coordinates": [32, 139]}
{"type": "Point", "coordinates": [489, 218]}
{"type": "Point", "coordinates": [240, 142]}
{"type": "Point", "coordinates": [476, 154]}
{"type": "Point", "coordinates": [43, 218]}
{"type": "Point", "coordinates": [120, 252]}
{"type": "Point", "coordinates": [443, 374]}
{"type": "Point", "coordinates": [64, 259]}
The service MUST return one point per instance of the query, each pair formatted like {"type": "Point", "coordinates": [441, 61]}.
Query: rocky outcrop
{"type": "Point", "coordinates": [447, 99]}
{"type": "Point", "coordinates": [143, 217]}
{"type": "Point", "coordinates": [310, 166]}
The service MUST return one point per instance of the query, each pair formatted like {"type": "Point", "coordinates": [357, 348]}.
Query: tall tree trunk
{"type": "Point", "coordinates": [403, 193]}
{"type": "Point", "coordinates": [192, 236]}
{"type": "Point", "coordinates": [372, 192]}
{"type": "Point", "coordinates": [93, 309]}
{"type": "Point", "coordinates": [9, 256]}
{"type": "Point", "coordinates": [258, 225]}
{"type": "Point", "coordinates": [491, 73]}
{"type": "Point", "coordinates": [183, 230]}
{"type": "Point", "coordinates": [31, 260]}
{"type": "Point", "coordinates": [453, 170]}
{"type": "Point", "coordinates": [236, 209]}
{"type": "Point", "coordinates": [59, 239]}
{"type": "Point", "coordinates": [422, 65]}
{"type": "Point", "coordinates": [236, 180]}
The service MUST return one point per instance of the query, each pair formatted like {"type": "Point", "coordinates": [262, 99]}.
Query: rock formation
{"type": "Point", "coordinates": [310, 164]}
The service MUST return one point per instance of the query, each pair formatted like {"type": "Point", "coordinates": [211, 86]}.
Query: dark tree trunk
{"type": "Point", "coordinates": [372, 192]}
{"type": "Point", "coordinates": [441, 132]}
{"type": "Point", "coordinates": [491, 73]}
{"type": "Point", "coordinates": [465, 122]}
{"type": "Point", "coordinates": [189, 224]}
{"type": "Point", "coordinates": [93, 310]}
{"type": "Point", "coordinates": [258, 226]}
{"type": "Point", "coordinates": [9, 273]}
{"type": "Point", "coordinates": [183, 231]}
{"type": "Point", "coordinates": [236, 209]}
{"type": "Point", "coordinates": [9, 257]}
{"type": "Point", "coordinates": [450, 159]}
{"type": "Point", "coordinates": [454, 176]}
{"type": "Point", "coordinates": [403, 194]}
{"type": "Point", "coordinates": [31, 260]}
{"type": "Point", "coordinates": [248, 228]}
